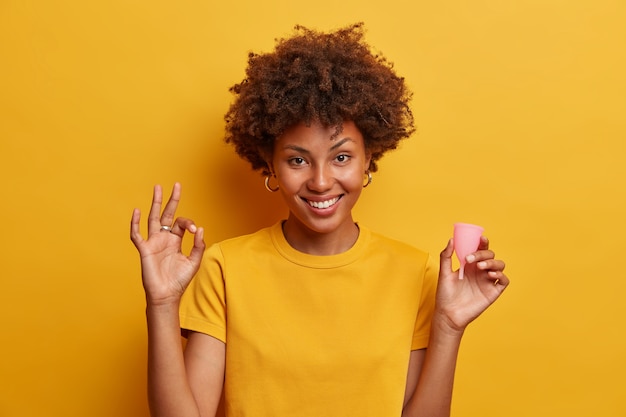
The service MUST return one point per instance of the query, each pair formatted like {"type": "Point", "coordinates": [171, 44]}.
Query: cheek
{"type": "Point", "coordinates": [354, 180]}
{"type": "Point", "coordinates": [289, 182]}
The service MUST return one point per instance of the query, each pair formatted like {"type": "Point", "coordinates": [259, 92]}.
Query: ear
{"type": "Point", "coordinates": [368, 160]}
{"type": "Point", "coordinates": [268, 159]}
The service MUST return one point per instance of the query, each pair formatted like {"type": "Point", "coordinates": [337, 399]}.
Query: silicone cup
{"type": "Point", "coordinates": [466, 241]}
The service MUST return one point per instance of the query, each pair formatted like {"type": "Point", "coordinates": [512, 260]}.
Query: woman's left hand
{"type": "Point", "coordinates": [460, 301]}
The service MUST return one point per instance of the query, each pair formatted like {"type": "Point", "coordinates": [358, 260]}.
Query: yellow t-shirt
{"type": "Point", "coordinates": [313, 336]}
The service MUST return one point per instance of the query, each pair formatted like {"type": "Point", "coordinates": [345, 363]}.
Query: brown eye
{"type": "Point", "coordinates": [296, 161]}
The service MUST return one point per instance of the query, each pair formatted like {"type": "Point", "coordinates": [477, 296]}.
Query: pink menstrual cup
{"type": "Point", "coordinates": [466, 241]}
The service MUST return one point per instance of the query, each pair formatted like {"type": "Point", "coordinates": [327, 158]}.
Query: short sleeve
{"type": "Point", "coordinates": [426, 307]}
{"type": "Point", "coordinates": [203, 304]}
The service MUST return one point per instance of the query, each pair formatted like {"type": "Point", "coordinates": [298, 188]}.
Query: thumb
{"type": "Point", "coordinates": [445, 258]}
{"type": "Point", "coordinates": [198, 247]}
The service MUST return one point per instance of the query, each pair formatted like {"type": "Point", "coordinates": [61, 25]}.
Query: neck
{"type": "Point", "coordinates": [318, 243]}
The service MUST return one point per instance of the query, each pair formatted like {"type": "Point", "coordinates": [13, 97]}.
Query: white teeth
{"type": "Point", "coordinates": [323, 204]}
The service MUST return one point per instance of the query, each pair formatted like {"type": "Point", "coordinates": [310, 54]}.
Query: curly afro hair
{"type": "Point", "coordinates": [318, 77]}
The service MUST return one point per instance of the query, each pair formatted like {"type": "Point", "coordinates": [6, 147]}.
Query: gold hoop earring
{"type": "Point", "coordinates": [369, 178]}
{"type": "Point", "coordinates": [267, 184]}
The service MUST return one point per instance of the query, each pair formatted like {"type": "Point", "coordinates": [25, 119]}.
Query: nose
{"type": "Point", "coordinates": [321, 179]}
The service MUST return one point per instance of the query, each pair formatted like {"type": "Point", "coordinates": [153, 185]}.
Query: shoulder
{"type": "Point", "coordinates": [253, 241]}
{"type": "Point", "coordinates": [398, 248]}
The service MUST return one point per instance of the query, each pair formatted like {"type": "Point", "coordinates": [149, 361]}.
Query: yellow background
{"type": "Point", "coordinates": [520, 107]}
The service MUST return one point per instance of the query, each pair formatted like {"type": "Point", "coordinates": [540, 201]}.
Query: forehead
{"type": "Point", "coordinates": [316, 134]}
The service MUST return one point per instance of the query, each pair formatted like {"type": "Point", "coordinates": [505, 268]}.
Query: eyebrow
{"type": "Point", "coordinates": [332, 148]}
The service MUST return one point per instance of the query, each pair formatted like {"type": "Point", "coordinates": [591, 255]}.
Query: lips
{"type": "Point", "coordinates": [323, 204]}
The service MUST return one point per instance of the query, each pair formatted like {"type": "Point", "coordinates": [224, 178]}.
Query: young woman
{"type": "Point", "coordinates": [316, 315]}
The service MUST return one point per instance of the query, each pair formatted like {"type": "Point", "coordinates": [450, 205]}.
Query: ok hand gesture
{"type": "Point", "coordinates": [165, 270]}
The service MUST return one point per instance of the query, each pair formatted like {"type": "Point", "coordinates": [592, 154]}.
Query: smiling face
{"type": "Point", "coordinates": [321, 178]}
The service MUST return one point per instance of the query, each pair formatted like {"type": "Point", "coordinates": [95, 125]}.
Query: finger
{"type": "Point", "coordinates": [154, 217]}
{"type": "Point", "coordinates": [135, 233]}
{"type": "Point", "coordinates": [198, 247]}
{"type": "Point", "coordinates": [480, 255]}
{"type": "Point", "coordinates": [445, 258]}
{"type": "Point", "coordinates": [167, 217]}
{"type": "Point", "coordinates": [499, 279]}
{"type": "Point", "coordinates": [483, 244]}
{"type": "Point", "coordinates": [182, 225]}
{"type": "Point", "coordinates": [491, 265]}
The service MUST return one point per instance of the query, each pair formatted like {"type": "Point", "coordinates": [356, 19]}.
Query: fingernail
{"type": "Point", "coordinates": [470, 258]}
{"type": "Point", "coordinates": [481, 264]}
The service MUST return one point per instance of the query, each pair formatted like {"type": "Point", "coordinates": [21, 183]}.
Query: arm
{"type": "Point", "coordinates": [182, 384]}
{"type": "Point", "coordinates": [432, 377]}
{"type": "Point", "coordinates": [166, 272]}
{"type": "Point", "coordinates": [458, 303]}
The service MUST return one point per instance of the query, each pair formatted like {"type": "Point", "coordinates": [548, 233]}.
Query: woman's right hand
{"type": "Point", "coordinates": [165, 270]}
